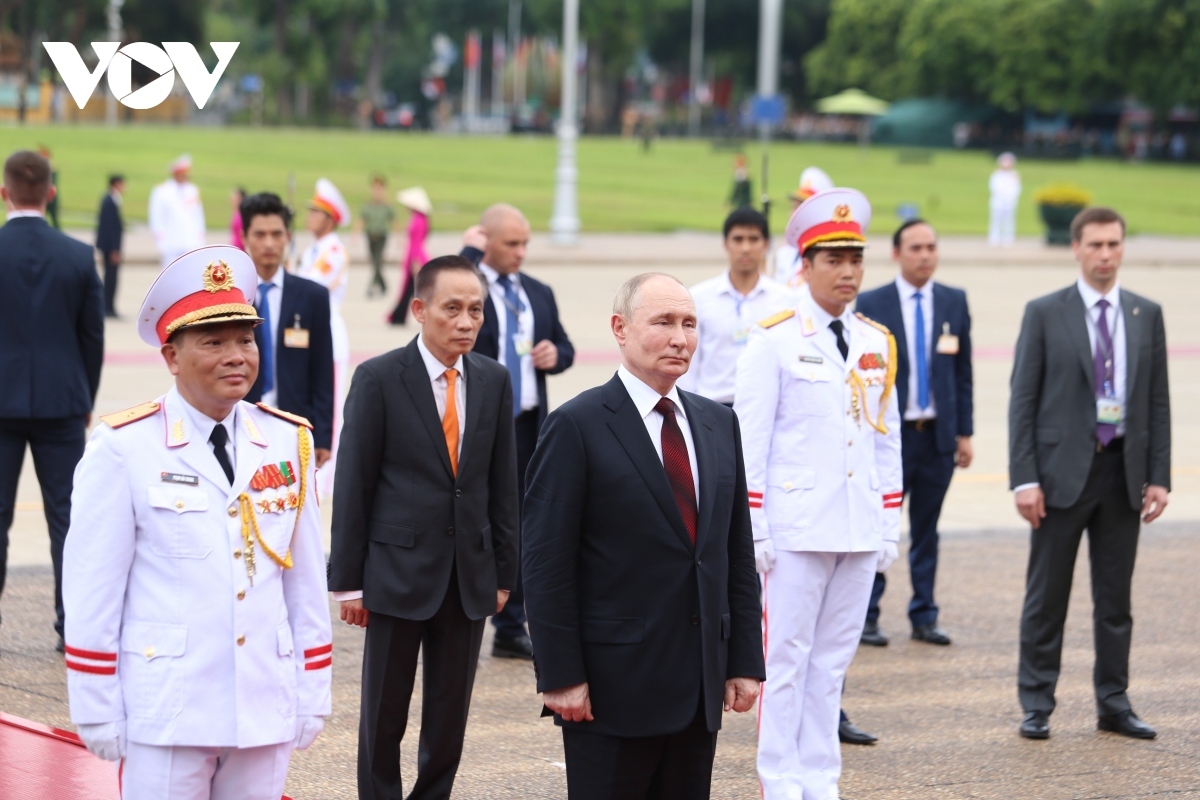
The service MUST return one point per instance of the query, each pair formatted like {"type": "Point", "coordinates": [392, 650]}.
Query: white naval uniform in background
{"type": "Point", "coordinates": [165, 629]}
{"type": "Point", "coordinates": [176, 219]}
{"type": "Point", "coordinates": [826, 488]}
{"type": "Point", "coordinates": [327, 262]}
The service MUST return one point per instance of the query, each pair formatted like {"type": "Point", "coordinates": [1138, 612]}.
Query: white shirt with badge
{"type": "Point", "coordinates": [523, 336]}
{"type": "Point", "coordinates": [725, 318]}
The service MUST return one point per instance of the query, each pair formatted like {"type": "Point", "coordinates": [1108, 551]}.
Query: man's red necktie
{"type": "Point", "coordinates": [678, 467]}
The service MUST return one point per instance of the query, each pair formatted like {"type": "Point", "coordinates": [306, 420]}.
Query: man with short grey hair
{"type": "Point", "coordinates": [639, 564]}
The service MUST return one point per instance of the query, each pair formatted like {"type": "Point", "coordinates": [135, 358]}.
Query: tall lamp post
{"type": "Point", "coordinates": [564, 224]}
{"type": "Point", "coordinates": [114, 35]}
{"type": "Point", "coordinates": [695, 70]}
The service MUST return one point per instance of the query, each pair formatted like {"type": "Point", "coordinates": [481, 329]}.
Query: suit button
{"type": "Point", "coordinates": [179, 504]}
{"type": "Point", "coordinates": [850, 474]}
{"type": "Point", "coordinates": [450, 531]}
{"type": "Point", "coordinates": [241, 640]}
{"type": "Point", "coordinates": [237, 553]}
{"type": "Point", "coordinates": [458, 492]}
{"type": "Point", "coordinates": [242, 595]}
{"type": "Point", "coordinates": [695, 620]}
{"type": "Point", "coordinates": [233, 511]}
{"type": "Point", "coordinates": [149, 652]}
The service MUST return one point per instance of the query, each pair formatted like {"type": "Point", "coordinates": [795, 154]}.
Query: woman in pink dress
{"type": "Point", "coordinates": [416, 201]}
{"type": "Point", "coordinates": [235, 222]}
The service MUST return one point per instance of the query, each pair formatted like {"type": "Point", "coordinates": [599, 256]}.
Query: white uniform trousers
{"type": "Point", "coordinates": [153, 772]}
{"type": "Point", "coordinates": [1002, 228]}
{"type": "Point", "coordinates": [813, 612]}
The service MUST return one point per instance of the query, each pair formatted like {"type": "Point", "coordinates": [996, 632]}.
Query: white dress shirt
{"type": "Point", "coordinates": [725, 317]}
{"type": "Point", "coordinates": [529, 394]}
{"type": "Point", "coordinates": [908, 309]}
{"type": "Point", "coordinates": [275, 299]}
{"type": "Point", "coordinates": [25, 212]}
{"type": "Point", "coordinates": [437, 377]}
{"type": "Point", "coordinates": [645, 399]}
{"type": "Point", "coordinates": [1116, 329]}
{"type": "Point", "coordinates": [204, 425]}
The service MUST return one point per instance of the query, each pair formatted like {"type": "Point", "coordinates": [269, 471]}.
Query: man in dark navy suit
{"type": "Point", "coordinates": [522, 331]}
{"type": "Point", "coordinates": [51, 352]}
{"type": "Point", "coordinates": [932, 326]}
{"type": "Point", "coordinates": [295, 344]}
{"type": "Point", "coordinates": [109, 230]}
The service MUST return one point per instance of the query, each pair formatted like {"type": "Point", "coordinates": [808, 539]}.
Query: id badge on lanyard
{"type": "Point", "coordinates": [1109, 410]}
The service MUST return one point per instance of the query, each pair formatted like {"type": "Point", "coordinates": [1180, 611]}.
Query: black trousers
{"type": "Point", "coordinates": [927, 474]}
{"type": "Point", "coordinates": [400, 312]}
{"type": "Point", "coordinates": [673, 767]}
{"type": "Point", "coordinates": [1112, 527]}
{"type": "Point", "coordinates": [449, 644]}
{"type": "Point", "coordinates": [510, 622]}
{"type": "Point", "coordinates": [110, 285]}
{"type": "Point", "coordinates": [57, 445]}
{"type": "Point", "coordinates": [375, 246]}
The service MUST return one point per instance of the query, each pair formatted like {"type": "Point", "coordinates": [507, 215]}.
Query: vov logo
{"type": "Point", "coordinates": [172, 57]}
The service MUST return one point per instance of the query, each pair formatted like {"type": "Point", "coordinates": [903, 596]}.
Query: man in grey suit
{"type": "Point", "coordinates": [425, 527]}
{"type": "Point", "coordinates": [1089, 424]}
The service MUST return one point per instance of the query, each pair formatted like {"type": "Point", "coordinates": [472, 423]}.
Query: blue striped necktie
{"type": "Point", "coordinates": [512, 326]}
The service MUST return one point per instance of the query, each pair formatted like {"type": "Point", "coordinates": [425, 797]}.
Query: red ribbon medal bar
{"type": "Point", "coordinates": [276, 477]}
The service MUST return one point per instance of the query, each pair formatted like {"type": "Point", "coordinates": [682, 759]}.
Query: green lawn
{"type": "Point", "coordinates": [679, 185]}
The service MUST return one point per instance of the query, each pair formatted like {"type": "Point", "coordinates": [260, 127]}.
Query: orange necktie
{"type": "Point", "coordinates": [450, 420]}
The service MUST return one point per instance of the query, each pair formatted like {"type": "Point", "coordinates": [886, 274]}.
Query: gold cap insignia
{"type": "Point", "coordinates": [842, 214]}
{"type": "Point", "coordinates": [218, 277]}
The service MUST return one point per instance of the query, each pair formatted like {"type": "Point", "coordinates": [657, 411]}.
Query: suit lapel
{"type": "Point", "coordinates": [706, 462]}
{"type": "Point", "coordinates": [475, 392]}
{"type": "Point", "coordinates": [895, 324]}
{"type": "Point", "coordinates": [1075, 320]}
{"type": "Point", "coordinates": [630, 431]}
{"type": "Point", "coordinates": [416, 381]}
{"type": "Point", "coordinates": [541, 314]}
{"type": "Point", "coordinates": [287, 310]}
{"type": "Point", "coordinates": [1131, 317]}
{"type": "Point", "coordinates": [940, 319]}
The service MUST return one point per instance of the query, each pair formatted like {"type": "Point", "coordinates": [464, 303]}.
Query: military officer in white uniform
{"type": "Point", "coordinates": [821, 437]}
{"type": "Point", "coordinates": [198, 640]}
{"type": "Point", "coordinates": [176, 213]}
{"type": "Point", "coordinates": [326, 262]}
{"type": "Point", "coordinates": [785, 263]}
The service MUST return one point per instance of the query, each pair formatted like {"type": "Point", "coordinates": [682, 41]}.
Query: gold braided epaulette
{"type": "Point", "coordinates": [775, 319]}
{"type": "Point", "coordinates": [123, 418]}
{"type": "Point", "coordinates": [293, 418]}
{"type": "Point", "coordinates": [876, 325]}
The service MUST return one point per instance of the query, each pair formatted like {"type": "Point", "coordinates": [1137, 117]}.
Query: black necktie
{"type": "Point", "coordinates": [838, 329]}
{"type": "Point", "coordinates": [218, 439]}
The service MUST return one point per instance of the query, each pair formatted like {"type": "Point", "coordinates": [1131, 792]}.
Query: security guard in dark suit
{"type": "Point", "coordinates": [295, 344]}
{"type": "Point", "coordinates": [51, 352]}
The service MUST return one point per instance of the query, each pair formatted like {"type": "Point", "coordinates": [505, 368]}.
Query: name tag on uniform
{"type": "Point", "coordinates": [295, 337]}
{"type": "Point", "coordinates": [947, 343]}
{"type": "Point", "coordinates": [811, 360]}
{"type": "Point", "coordinates": [1110, 411]}
{"type": "Point", "coordinates": [741, 335]}
{"type": "Point", "coordinates": [175, 477]}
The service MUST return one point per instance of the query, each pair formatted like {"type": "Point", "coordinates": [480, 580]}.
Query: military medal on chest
{"type": "Point", "coordinates": [274, 484]}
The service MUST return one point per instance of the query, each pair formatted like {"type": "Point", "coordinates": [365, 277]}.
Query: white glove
{"type": "Point", "coordinates": [308, 728]}
{"type": "Point", "coordinates": [764, 555]}
{"type": "Point", "coordinates": [105, 740]}
{"type": "Point", "coordinates": [887, 556]}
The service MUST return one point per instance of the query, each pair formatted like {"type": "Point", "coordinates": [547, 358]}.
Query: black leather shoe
{"type": "Point", "coordinates": [872, 636]}
{"type": "Point", "coordinates": [1127, 724]}
{"type": "Point", "coordinates": [1036, 725]}
{"type": "Point", "coordinates": [848, 733]}
{"type": "Point", "coordinates": [931, 634]}
{"type": "Point", "coordinates": [520, 647]}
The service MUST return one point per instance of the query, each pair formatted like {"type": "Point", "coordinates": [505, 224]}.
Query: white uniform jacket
{"type": "Point", "coordinates": [164, 628]}
{"type": "Point", "coordinates": [326, 262]}
{"type": "Point", "coordinates": [176, 219]}
{"type": "Point", "coordinates": [822, 477]}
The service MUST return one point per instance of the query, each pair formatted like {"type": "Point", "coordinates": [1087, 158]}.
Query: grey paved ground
{"type": "Point", "coordinates": [947, 717]}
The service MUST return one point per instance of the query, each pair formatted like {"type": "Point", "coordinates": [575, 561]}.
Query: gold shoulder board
{"type": "Point", "coordinates": [122, 418]}
{"type": "Point", "coordinates": [293, 418]}
{"type": "Point", "coordinates": [879, 326]}
{"type": "Point", "coordinates": [775, 319]}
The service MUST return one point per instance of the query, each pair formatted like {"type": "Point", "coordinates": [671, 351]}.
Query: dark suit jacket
{"type": "Point", "coordinates": [546, 325]}
{"type": "Point", "coordinates": [109, 227]}
{"type": "Point", "coordinates": [615, 593]}
{"type": "Point", "coordinates": [51, 322]}
{"type": "Point", "coordinates": [1052, 408]}
{"type": "Point", "coordinates": [303, 376]}
{"type": "Point", "coordinates": [951, 382]}
{"type": "Point", "coordinates": [402, 520]}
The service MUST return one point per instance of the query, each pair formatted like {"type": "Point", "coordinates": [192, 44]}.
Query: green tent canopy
{"type": "Point", "coordinates": [853, 101]}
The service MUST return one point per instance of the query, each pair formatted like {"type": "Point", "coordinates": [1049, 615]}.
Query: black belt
{"type": "Point", "coordinates": [1115, 446]}
{"type": "Point", "coordinates": [921, 425]}
{"type": "Point", "coordinates": [533, 412]}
